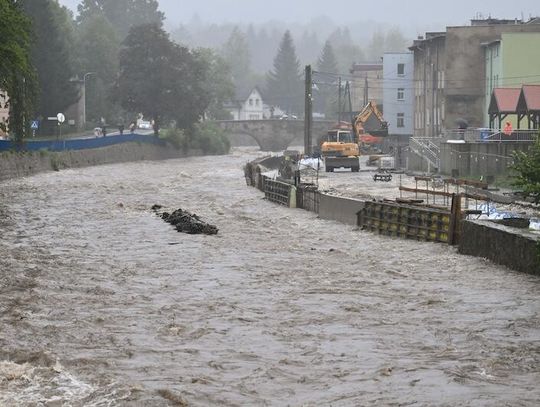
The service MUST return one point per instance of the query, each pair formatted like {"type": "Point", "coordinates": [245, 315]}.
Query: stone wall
{"type": "Point", "coordinates": [13, 165]}
{"type": "Point", "coordinates": [513, 247]}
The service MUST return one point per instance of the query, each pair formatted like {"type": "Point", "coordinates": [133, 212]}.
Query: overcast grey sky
{"type": "Point", "coordinates": [420, 13]}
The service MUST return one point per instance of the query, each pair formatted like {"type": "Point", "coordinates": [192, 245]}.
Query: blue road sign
{"type": "Point", "coordinates": [34, 125]}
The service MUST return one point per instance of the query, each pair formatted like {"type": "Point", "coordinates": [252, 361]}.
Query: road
{"type": "Point", "coordinates": [103, 303]}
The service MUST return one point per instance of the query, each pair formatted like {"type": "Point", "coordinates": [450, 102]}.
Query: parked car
{"type": "Point", "coordinates": [146, 125]}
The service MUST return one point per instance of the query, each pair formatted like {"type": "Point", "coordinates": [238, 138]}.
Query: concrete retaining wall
{"type": "Point", "coordinates": [339, 209]}
{"type": "Point", "coordinates": [475, 159]}
{"type": "Point", "coordinates": [512, 247]}
{"type": "Point", "coordinates": [13, 164]}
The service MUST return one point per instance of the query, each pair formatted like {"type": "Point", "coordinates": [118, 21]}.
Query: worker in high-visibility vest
{"type": "Point", "coordinates": [508, 129]}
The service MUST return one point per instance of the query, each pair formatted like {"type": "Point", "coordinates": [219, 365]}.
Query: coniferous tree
{"type": "Point", "coordinates": [284, 85]}
{"type": "Point", "coordinates": [346, 50]}
{"type": "Point", "coordinates": [325, 94]}
{"type": "Point", "coordinates": [236, 54]}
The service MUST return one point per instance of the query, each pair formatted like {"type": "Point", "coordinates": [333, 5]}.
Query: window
{"type": "Point", "coordinates": [256, 102]}
{"type": "Point", "coordinates": [401, 69]}
{"type": "Point", "coordinates": [400, 94]}
{"type": "Point", "coordinates": [251, 102]}
{"type": "Point", "coordinates": [401, 120]}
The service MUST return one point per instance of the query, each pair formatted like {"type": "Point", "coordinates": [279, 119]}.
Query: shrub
{"type": "Point", "coordinates": [527, 169]}
{"type": "Point", "coordinates": [210, 138]}
{"type": "Point", "coordinates": [176, 137]}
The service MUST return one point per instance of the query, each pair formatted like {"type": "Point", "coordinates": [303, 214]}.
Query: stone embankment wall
{"type": "Point", "coordinates": [14, 164]}
{"type": "Point", "coordinates": [513, 247]}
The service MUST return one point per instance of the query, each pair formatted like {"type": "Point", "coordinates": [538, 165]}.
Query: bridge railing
{"type": "Point", "coordinates": [78, 144]}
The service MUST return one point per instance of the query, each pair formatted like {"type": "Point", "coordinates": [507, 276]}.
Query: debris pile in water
{"type": "Point", "coordinates": [186, 222]}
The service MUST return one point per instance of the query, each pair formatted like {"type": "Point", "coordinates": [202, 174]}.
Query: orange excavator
{"type": "Point", "coordinates": [370, 126]}
{"type": "Point", "coordinates": [340, 148]}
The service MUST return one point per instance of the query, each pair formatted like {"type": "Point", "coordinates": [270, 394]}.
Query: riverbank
{"type": "Point", "coordinates": [418, 208]}
{"type": "Point", "coordinates": [102, 303]}
{"type": "Point", "coordinates": [22, 164]}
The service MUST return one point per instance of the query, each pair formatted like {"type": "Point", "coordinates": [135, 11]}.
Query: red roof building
{"type": "Point", "coordinates": [523, 102]}
{"type": "Point", "coordinates": [529, 105]}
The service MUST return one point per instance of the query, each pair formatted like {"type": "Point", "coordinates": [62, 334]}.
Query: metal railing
{"type": "Point", "coordinates": [474, 134]}
{"type": "Point", "coordinates": [426, 148]}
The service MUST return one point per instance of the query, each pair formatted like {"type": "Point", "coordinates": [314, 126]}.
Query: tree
{"type": "Point", "coordinates": [346, 51]}
{"type": "Point", "coordinates": [236, 54]}
{"type": "Point", "coordinates": [219, 83]}
{"type": "Point", "coordinates": [376, 46]}
{"type": "Point", "coordinates": [284, 85]}
{"type": "Point", "coordinates": [98, 49]}
{"type": "Point", "coordinates": [324, 94]}
{"type": "Point", "coordinates": [52, 54]}
{"type": "Point", "coordinates": [17, 80]}
{"type": "Point", "coordinates": [395, 41]}
{"type": "Point", "coordinates": [123, 14]}
{"type": "Point", "coordinates": [527, 169]}
{"type": "Point", "coordinates": [161, 79]}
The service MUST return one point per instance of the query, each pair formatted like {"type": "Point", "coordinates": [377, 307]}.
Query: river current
{"type": "Point", "coordinates": [104, 304]}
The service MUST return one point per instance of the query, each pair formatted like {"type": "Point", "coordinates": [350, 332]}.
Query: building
{"type": "Point", "coordinates": [248, 106]}
{"type": "Point", "coordinates": [367, 85]}
{"type": "Point", "coordinates": [398, 92]}
{"type": "Point", "coordinates": [429, 69]}
{"type": "Point", "coordinates": [450, 74]}
{"type": "Point", "coordinates": [510, 64]}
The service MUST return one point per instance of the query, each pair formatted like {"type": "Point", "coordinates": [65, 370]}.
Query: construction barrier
{"type": "Point", "coordinates": [407, 221]}
{"type": "Point", "coordinates": [280, 192]}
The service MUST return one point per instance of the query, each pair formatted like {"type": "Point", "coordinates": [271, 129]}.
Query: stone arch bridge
{"type": "Point", "coordinates": [274, 135]}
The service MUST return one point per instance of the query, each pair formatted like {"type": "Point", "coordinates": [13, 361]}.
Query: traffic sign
{"type": "Point", "coordinates": [61, 118]}
{"type": "Point", "coordinates": [34, 124]}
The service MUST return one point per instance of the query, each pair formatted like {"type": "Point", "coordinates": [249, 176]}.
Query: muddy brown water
{"type": "Point", "coordinates": [104, 304]}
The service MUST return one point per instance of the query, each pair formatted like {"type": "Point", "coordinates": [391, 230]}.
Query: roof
{"type": "Point", "coordinates": [504, 100]}
{"type": "Point", "coordinates": [374, 66]}
{"type": "Point", "coordinates": [421, 40]}
{"type": "Point", "coordinates": [531, 93]}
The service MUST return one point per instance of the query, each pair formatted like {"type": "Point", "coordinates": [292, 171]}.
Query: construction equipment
{"type": "Point", "coordinates": [341, 147]}
{"type": "Point", "coordinates": [370, 127]}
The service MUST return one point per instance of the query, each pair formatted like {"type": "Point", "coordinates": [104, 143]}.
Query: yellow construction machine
{"type": "Point", "coordinates": [340, 148]}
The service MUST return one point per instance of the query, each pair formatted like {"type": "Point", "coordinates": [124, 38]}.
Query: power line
{"type": "Point", "coordinates": [353, 77]}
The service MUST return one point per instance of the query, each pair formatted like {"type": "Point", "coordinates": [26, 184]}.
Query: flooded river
{"type": "Point", "coordinates": [104, 304]}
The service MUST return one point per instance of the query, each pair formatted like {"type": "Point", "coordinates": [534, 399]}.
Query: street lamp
{"type": "Point", "coordinates": [87, 74]}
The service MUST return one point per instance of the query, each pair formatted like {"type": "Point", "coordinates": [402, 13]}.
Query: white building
{"type": "Point", "coordinates": [249, 106]}
{"type": "Point", "coordinates": [398, 92]}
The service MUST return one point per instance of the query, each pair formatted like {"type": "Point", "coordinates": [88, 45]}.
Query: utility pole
{"type": "Point", "coordinates": [366, 90]}
{"type": "Point", "coordinates": [339, 100]}
{"type": "Point", "coordinates": [348, 93]}
{"type": "Point", "coordinates": [308, 112]}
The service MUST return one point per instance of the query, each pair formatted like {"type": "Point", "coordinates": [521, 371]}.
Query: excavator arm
{"type": "Point", "coordinates": [363, 116]}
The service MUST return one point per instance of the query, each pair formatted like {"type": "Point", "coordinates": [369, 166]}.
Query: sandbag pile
{"type": "Point", "coordinates": [186, 222]}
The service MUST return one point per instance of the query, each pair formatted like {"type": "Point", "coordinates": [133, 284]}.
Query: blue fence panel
{"type": "Point", "coordinates": [79, 144]}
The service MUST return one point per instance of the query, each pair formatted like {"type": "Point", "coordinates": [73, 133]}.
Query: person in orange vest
{"type": "Point", "coordinates": [508, 129]}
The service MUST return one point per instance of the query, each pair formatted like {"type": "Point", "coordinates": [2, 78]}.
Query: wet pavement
{"type": "Point", "coordinates": [102, 303]}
